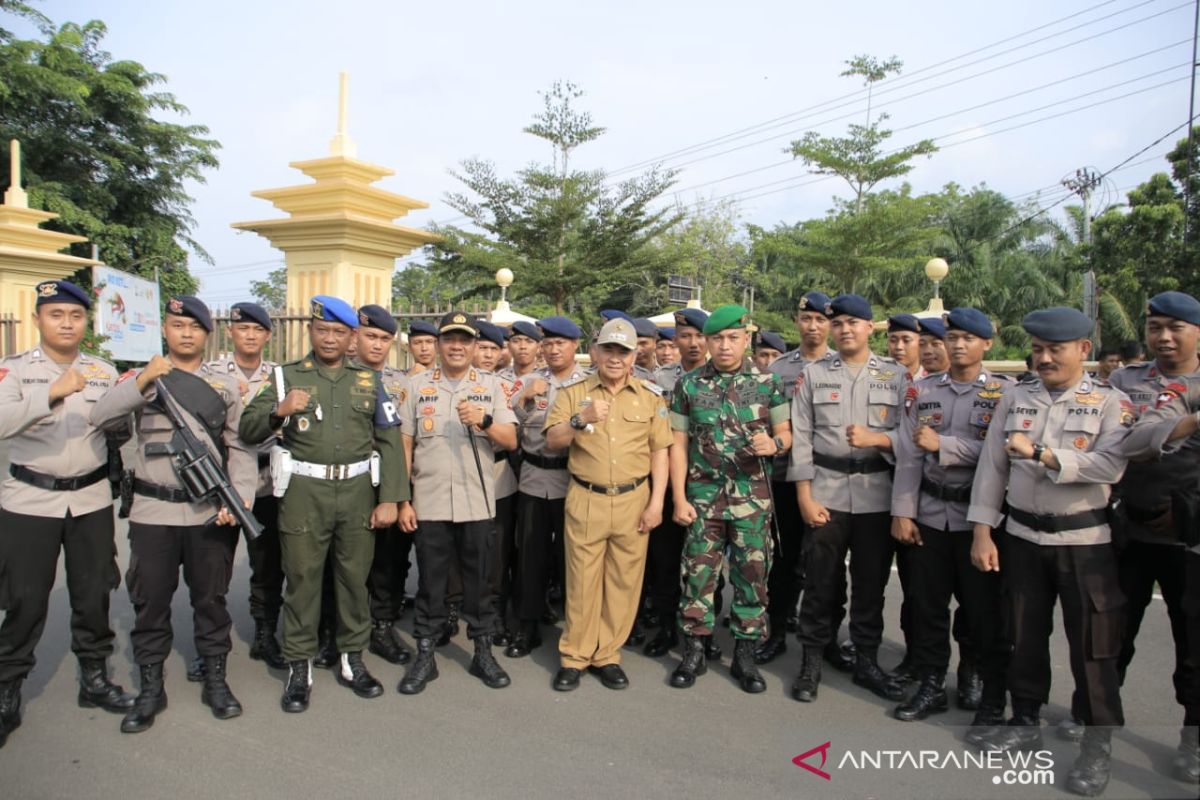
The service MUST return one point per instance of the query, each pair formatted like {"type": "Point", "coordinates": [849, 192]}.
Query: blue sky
{"type": "Point", "coordinates": [432, 84]}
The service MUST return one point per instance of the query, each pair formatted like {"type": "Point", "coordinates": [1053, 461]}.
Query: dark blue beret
{"type": "Point", "coordinates": [187, 306]}
{"type": "Point", "coordinates": [903, 322]}
{"type": "Point", "coordinates": [667, 333]}
{"type": "Point", "coordinates": [419, 327]}
{"type": "Point", "coordinates": [523, 328]}
{"type": "Point", "coordinates": [612, 313]}
{"type": "Point", "coordinates": [932, 326]}
{"type": "Point", "coordinates": [373, 316]}
{"type": "Point", "coordinates": [560, 327]}
{"type": "Point", "coordinates": [250, 312]}
{"type": "Point", "coordinates": [690, 318]}
{"type": "Point", "coordinates": [1057, 324]}
{"type": "Point", "coordinates": [645, 328]}
{"type": "Point", "coordinates": [814, 301]}
{"type": "Point", "coordinates": [493, 333]}
{"type": "Point", "coordinates": [971, 320]}
{"type": "Point", "coordinates": [333, 309]}
{"type": "Point", "coordinates": [772, 340]}
{"type": "Point", "coordinates": [852, 305]}
{"type": "Point", "coordinates": [61, 292]}
{"type": "Point", "coordinates": [1175, 304]}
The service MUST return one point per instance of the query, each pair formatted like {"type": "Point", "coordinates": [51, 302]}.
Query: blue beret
{"type": "Point", "coordinates": [932, 326]}
{"type": "Point", "coordinates": [1175, 304]}
{"type": "Point", "coordinates": [772, 340]}
{"type": "Point", "coordinates": [493, 333]}
{"type": "Point", "coordinates": [645, 328]}
{"type": "Point", "coordinates": [187, 306]}
{"type": "Point", "coordinates": [61, 292]}
{"type": "Point", "coordinates": [667, 333]}
{"type": "Point", "coordinates": [333, 309]}
{"type": "Point", "coordinates": [690, 318]}
{"type": "Point", "coordinates": [523, 328]}
{"type": "Point", "coordinates": [250, 312]}
{"type": "Point", "coordinates": [971, 320]}
{"type": "Point", "coordinates": [561, 327]}
{"type": "Point", "coordinates": [1057, 324]}
{"type": "Point", "coordinates": [420, 327]}
{"type": "Point", "coordinates": [373, 316]}
{"type": "Point", "coordinates": [814, 301]}
{"type": "Point", "coordinates": [852, 305]}
{"type": "Point", "coordinates": [612, 313]}
{"type": "Point", "coordinates": [903, 322]}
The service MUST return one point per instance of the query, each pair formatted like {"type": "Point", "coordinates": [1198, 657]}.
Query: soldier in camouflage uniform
{"type": "Point", "coordinates": [728, 420]}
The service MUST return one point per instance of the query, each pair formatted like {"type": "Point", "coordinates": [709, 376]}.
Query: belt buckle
{"type": "Point", "coordinates": [612, 490]}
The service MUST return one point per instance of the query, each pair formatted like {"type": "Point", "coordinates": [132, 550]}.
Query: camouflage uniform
{"type": "Point", "coordinates": [725, 484]}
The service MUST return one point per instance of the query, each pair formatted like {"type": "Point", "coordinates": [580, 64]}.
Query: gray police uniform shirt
{"type": "Point", "coordinates": [550, 484]}
{"type": "Point", "coordinates": [154, 426]}
{"type": "Point", "coordinates": [56, 440]}
{"type": "Point", "coordinates": [828, 399]}
{"type": "Point", "coordinates": [789, 367]}
{"type": "Point", "coordinates": [960, 413]}
{"type": "Point", "coordinates": [248, 388]}
{"type": "Point", "coordinates": [504, 474]}
{"type": "Point", "coordinates": [446, 485]}
{"type": "Point", "coordinates": [1084, 426]}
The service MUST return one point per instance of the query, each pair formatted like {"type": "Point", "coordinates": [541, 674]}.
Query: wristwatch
{"type": "Point", "coordinates": [1038, 450]}
{"type": "Point", "coordinates": [487, 422]}
{"type": "Point", "coordinates": [577, 422]}
{"type": "Point", "coordinates": [779, 443]}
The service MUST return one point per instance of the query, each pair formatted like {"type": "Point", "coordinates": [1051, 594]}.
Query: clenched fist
{"type": "Point", "coordinates": [296, 400]}
{"type": "Point", "coordinates": [596, 413]}
{"type": "Point", "coordinates": [67, 384]}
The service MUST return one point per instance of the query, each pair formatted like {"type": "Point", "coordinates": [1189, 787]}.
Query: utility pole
{"type": "Point", "coordinates": [1083, 183]}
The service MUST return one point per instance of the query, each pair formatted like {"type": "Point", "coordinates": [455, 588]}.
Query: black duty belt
{"type": "Point", "coordinates": [852, 466]}
{"type": "Point", "coordinates": [26, 475]}
{"type": "Point", "coordinates": [950, 494]}
{"type": "Point", "coordinates": [501, 455]}
{"type": "Point", "coordinates": [543, 462]}
{"type": "Point", "coordinates": [166, 493]}
{"type": "Point", "coordinates": [1057, 523]}
{"type": "Point", "coordinates": [1145, 514]}
{"type": "Point", "coordinates": [611, 491]}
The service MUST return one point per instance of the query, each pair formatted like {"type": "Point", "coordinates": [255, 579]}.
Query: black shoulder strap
{"type": "Point", "coordinates": [197, 398]}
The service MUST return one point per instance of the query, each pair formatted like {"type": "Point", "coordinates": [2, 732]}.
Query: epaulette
{"type": "Point", "coordinates": [574, 381]}
{"type": "Point", "coordinates": [652, 386]}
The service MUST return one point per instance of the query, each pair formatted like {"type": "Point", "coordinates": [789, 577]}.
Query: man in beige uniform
{"type": "Point", "coordinates": [616, 428]}
{"type": "Point", "coordinates": [56, 497]}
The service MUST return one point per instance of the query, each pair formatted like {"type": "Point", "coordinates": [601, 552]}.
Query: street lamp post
{"type": "Point", "coordinates": [936, 269]}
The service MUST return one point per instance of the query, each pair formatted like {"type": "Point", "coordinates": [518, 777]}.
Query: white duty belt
{"type": "Point", "coordinates": [331, 472]}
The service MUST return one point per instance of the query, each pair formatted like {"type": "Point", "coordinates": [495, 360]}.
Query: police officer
{"type": "Point", "coordinates": [56, 497]}
{"type": "Point", "coordinates": [1053, 450]}
{"type": "Point", "coordinates": [932, 345]}
{"type": "Point", "coordinates": [615, 427]}
{"type": "Point", "coordinates": [728, 419]}
{"type": "Point", "coordinates": [1154, 487]}
{"type": "Point", "coordinates": [664, 350]}
{"type": "Point", "coordinates": [647, 338]}
{"type": "Point", "coordinates": [945, 421]}
{"type": "Point", "coordinates": [330, 414]}
{"type": "Point", "coordinates": [523, 348]}
{"type": "Point", "coordinates": [375, 335]}
{"type": "Point", "coordinates": [770, 346]}
{"type": "Point", "coordinates": [422, 345]}
{"type": "Point", "coordinates": [904, 343]}
{"type": "Point", "coordinates": [453, 415]}
{"type": "Point", "coordinates": [544, 480]}
{"type": "Point", "coordinates": [844, 425]}
{"type": "Point", "coordinates": [166, 529]}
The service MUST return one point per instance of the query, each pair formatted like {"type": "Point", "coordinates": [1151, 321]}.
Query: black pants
{"type": "Point", "coordinates": [539, 520]}
{"type": "Point", "coordinates": [1139, 566]}
{"type": "Point", "coordinates": [156, 553]}
{"type": "Point", "coordinates": [664, 557]}
{"type": "Point", "coordinates": [1084, 579]}
{"type": "Point", "coordinates": [504, 559]}
{"type": "Point", "coordinates": [787, 575]}
{"type": "Point", "coordinates": [1191, 616]}
{"type": "Point", "coordinates": [441, 548]}
{"type": "Point", "coordinates": [867, 537]}
{"type": "Point", "coordinates": [29, 548]}
{"type": "Point", "coordinates": [266, 564]}
{"type": "Point", "coordinates": [389, 573]}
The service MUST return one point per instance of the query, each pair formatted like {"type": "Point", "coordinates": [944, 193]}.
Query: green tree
{"type": "Point", "coordinates": [271, 294]}
{"type": "Point", "coordinates": [96, 152]}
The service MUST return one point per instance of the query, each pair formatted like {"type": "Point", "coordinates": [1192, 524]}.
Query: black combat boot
{"type": "Point", "coordinates": [970, 685]}
{"type": "Point", "coordinates": [10, 708]}
{"type": "Point", "coordinates": [299, 687]}
{"type": "Point", "coordinates": [216, 693]}
{"type": "Point", "coordinates": [1023, 731]}
{"type": "Point", "coordinates": [1089, 773]}
{"type": "Point", "coordinates": [450, 629]}
{"type": "Point", "coordinates": [663, 641]}
{"type": "Point", "coordinates": [772, 647]}
{"type": "Point", "coordinates": [265, 646]}
{"type": "Point", "coordinates": [744, 670]}
{"type": "Point", "coordinates": [869, 675]}
{"type": "Point", "coordinates": [527, 638]}
{"type": "Point", "coordinates": [151, 699]}
{"type": "Point", "coordinates": [929, 699]}
{"type": "Point", "coordinates": [904, 673]}
{"type": "Point", "coordinates": [804, 688]}
{"type": "Point", "coordinates": [502, 636]}
{"type": "Point", "coordinates": [712, 650]}
{"type": "Point", "coordinates": [838, 657]}
{"type": "Point", "coordinates": [195, 670]}
{"type": "Point", "coordinates": [484, 666]}
{"type": "Point", "coordinates": [353, 674]}
{"type": "Point", "coordinates": [1070, 730]}
{"type": "Point", "coordinates": [386, 644]}
{"type": "Point", "coordinates": [988, 722]}
{"type": "Point", "coordinates": [637, 636]}
{"type": "Point", "coordinates": [421, 671]}
{"type": "Point", "coordinates": [327, 652]}
{"type": "Point", "coordinates": [693, 664]}
{"type": "Point", "coordinates": [97, 691]}
{"type": "Point", "coordinates": [1186, 764]}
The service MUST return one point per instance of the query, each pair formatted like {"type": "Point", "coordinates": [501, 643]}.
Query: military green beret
{"type": "Point", "coordinates": [725, 317]}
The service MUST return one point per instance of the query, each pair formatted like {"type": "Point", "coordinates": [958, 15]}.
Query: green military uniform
{"type": "Point", "coordinates": [348, 415]}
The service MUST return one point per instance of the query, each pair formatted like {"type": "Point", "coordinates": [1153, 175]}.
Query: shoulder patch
{"type": "Point", "coordinates": [1169, 393]}
{"type": "Point", "coordinates": [573, 381]}
{"type": "Point", "coordinates": [129, 373]}
{"type": "Point", "coordinates": [652, 386]}
{"type": "Point", "coordinates": [3, 373]}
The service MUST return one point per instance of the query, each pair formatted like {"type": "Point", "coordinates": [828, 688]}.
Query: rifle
{"type": "Point", "coordinates": [201, 476]}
